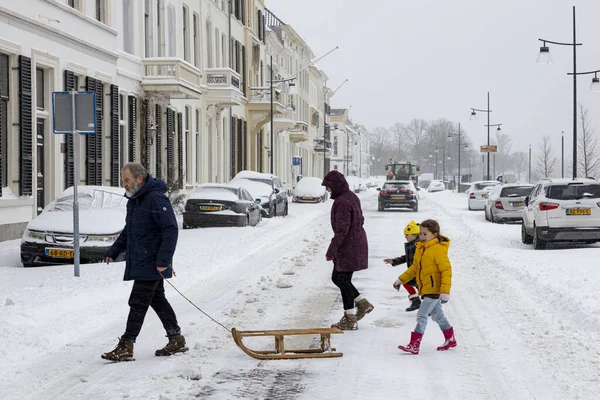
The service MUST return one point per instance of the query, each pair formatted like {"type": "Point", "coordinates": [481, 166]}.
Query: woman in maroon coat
{"type": "Point", "coordinates": [349, 249]}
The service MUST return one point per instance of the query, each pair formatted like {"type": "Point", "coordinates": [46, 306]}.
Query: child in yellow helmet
{"type": "Point", "coordinates": [411, 233]}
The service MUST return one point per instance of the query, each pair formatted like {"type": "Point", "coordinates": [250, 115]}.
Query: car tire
{"type": "Point", "coordinates": [525, 237]}
{"type": "Point", "coordinates": [380, 207]}
{"type": "Point", "coordinates": [416, 208]}
{"type": "Point", "coordinates": [246, 221]}
{"type": "Point", "coordinates": [492, 220]}
{"type": "Point", "coordinates": [285, 211]}
{"type": "Point", "coordinates": [538, 244]}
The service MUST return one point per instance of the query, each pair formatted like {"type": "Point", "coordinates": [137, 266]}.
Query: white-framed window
{"type": "Point", "coordinates": [186, 34]}
{"type": "Point", "coordinates": [198, 145]}
{"type": "Point", "coordinates": [148, 37]}
{"type": "Point", "coordinates": [128, 35]}
{"type": "Point", "coordinates": [209, 57]}
{"type": "Point", "coordinates": [196, 34]}
{"type": "Point", "coordinates": [101, 11]}
{"type": "Point", "coordinates": [76, 4]}
{"type": "Point", "coordinates": [224, 50]}
{"type": "Point", "coordinates": [218, 60]}
{"type": "Point", "coordinates": [123, 137]}
{"type": "Point", "coordinates": [160, 27]}
{"type": "Point", "coordinates": [171, 31]}
{"type": "Point", "coordinates": [187, 135]}
{"type": "Point", "coordinates": [5, 137]}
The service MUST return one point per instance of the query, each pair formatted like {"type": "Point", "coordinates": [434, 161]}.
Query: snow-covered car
{"type": "Point", "coordinates": [372, 182]}
{"type": "Point", "coordinates": [478, 193]}
{"type": "Point", "coordinates": [436, 186]}
{"type": "Point", "coordinates": [266, 189]}
{"type": "Point", "coordinates": [354, 183]}
{"type": "Point", "coordinates": [309, 190]}
{"type": "Point", "coordinates": [213, 204]}
{"type": "Point", "coordinates": [48, 238]}
{"type": "Point", "coordinates": [506, 202]}
{"type": "Point", "coordinates": [562, 210]}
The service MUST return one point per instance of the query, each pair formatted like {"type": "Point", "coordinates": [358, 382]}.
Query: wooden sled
{"type": "Point", "coordinates": [280, 352]}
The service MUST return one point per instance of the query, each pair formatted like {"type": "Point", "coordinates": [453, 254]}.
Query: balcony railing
{"type": "Point", "coordinates": [263, 96]}
{"type": "Point", "coordinates": [321, 145]}
{"type": "Point", "coordinates": [222, 78]}
{"type": "Point", "coordinates": [170, 73]}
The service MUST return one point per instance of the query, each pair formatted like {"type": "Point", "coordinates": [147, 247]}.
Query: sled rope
{"type": "Point", "coordinates": [182, 295]}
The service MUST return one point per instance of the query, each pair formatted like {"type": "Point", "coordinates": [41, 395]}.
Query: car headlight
{"type": "Point", "coordinates": [102, 238]}
{"type": "Point", "coordinates": [35, 234]}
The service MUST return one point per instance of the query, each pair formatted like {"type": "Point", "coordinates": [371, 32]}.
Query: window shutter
{"type": "Point", "coordinates": [244, 70]}
{"type": "Point", "coordinates": [25, 127]}
{"type": "Point", "coordinates": [69, 84]}
{"type": "Point", "coordinates": [114, 135]}
{"type": "Point", "coordinates": [232, 146]}
{"type": "Point", "coordinates": [243, 4]}
{"type": "Point", "coordinates": [158, 135]}
{"type": "Point", "coordinates": [181, 172]}
{"type": "Point", "coordinates": [170, 146]}
{"type": "Point", "coordinates": [240, 148]}
{"type": "Point", "coordinates": [98, 139]}
{"type": "Point", "coordinates": [2, 68]}
{"type": "Point", "coordinates": [258, 29]}
{"type": "Point", "coordinates": [132, 127]}
{"type": "Point", "coordinates": [245, 136]}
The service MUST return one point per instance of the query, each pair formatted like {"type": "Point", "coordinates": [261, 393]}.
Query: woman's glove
{"type": "Point", "coordinates": [444, 297]}
{"type": "Point", "coordinates": [397, 284]}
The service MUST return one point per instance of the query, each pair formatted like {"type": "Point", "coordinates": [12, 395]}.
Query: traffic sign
{"type": "Point", "coordinates": [83, 120]}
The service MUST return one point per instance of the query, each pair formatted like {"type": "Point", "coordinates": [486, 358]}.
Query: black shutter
{"type": "Point", "coordinates": [240, 148]}
{"type": "Point", "coordinates": [25, 128]}
{"type": "Point", "coordinates": [69, 84]}
{"type": "Point", "coordinates": [244, 70]}
{"type": "Point", "coordinates": [114, 135]}
{"type": "Point", "coordinates": [132, 127]}
{"type": "Point", "coordinates": [243, 11]}
{"type": "Point", "coordinates": [238, 9]}
{"type": "Point", "coordinates": [232, 146]}
{"type": "Point", "coordinates": [158, 133]}
{"type": "Point", "coordinates": [236, 54]}
{"type": "Point", "coordinates": [181, 172]}
{"type": "Point", "coordinates": [90, 148]}
{"type": "Point", "coordinates": [258, 30]}
{"type": "Point", "coordinates": [170, 146]}
{"type": "Point", "coordinates": [245, 136]}
{"type": "Point", "coordinates": [3, 67]}
{"type": "Point", "coordinates": [98, 138]}
{"type": "Point", "coordinates": [145, 151]}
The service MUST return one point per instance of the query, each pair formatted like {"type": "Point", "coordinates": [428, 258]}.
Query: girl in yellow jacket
{"type": "Point", "coordinates": [433, 272]}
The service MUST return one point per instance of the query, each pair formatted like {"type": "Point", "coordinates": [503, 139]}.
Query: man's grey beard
{"type": "Point", "coordinates": [133, 191]}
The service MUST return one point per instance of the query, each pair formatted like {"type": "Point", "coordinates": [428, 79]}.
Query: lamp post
{"type": "Point", "coordinates": [529, 163]}
{"type": "Point", "coordinates": [450, 135]}
{"type": "Point", "coordinates": [488, 125]}
{"type": "Point", "coordinates": [562, 155]}
{"type": "Point", "coordinates": [544, 57]}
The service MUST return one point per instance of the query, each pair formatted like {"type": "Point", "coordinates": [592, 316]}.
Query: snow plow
{"type": "Point", "coordinates": [281, 352]}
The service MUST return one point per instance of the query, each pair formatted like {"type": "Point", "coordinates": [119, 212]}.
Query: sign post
{"type": "Point", "coordinates": [74, 113]}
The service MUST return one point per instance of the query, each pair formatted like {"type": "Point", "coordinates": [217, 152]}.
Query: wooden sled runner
{"type": "Point", "coordinates": [280, 352]}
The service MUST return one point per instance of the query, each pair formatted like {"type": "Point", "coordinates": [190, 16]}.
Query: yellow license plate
{"type": "Point", "coordinates": [579, 211]}
{"type": "Point", "coordinates": [60, 253]}
{"type": "Point", "coordinates": [398, 197]}
{"type": "Point", "coordinates": [518, 204]}
{"type": "Point", "coordinates": [484, 196]}
{"type": "Point", "coordinates": [307, 198]}
{"type": "Point", "coordinates": [210, 208]}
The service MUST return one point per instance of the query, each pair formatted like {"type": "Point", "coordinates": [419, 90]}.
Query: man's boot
{"type": "Point", "coordinates": [415, 343]}
{"type": "Point", "coordinates": [363, 307]}
{"type": "Point", "coordinates": [347, 323]}
{"type": "Point", "coordinates": [415, 302]}
{"type": "Point", "coordinates": [176, 345]}
{"type": "Point", "coordinates": [450, 340]}
{"type": "Point", "coordinates": [123, 351]}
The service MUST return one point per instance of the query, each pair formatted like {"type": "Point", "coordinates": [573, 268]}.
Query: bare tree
{"type": "Point", "coordinates": [519, 163]}
{"type": "Point", "coordinates": [587, 146]}
{"type": "Point", "coordinates": [546, 161]}
{"type": "Point", "coordinates": [504, 143]}
{"type": "Point", "coordinates": [398, 136]}
{"type": "Point", "coordinates": [414, 132]}
{"type": "Point", "coordinates": [379, 140]}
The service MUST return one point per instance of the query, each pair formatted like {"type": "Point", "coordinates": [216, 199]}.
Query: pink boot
{"type": "Point", "coordinates": [415, 342]}
{"type": "Point", "coordinates": [450, 341]}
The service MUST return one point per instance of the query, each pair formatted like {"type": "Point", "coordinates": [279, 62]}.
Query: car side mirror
{"type": "Point", "coordinates": [527, 201]}
{"type": "Point", "coordinates": [276, 191]}
{"type": "Point", "coordinates": [257, 201]}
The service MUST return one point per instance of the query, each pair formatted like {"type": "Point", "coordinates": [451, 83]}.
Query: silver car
{"type": "Point", "coordinates": [478, 193]}
{"type": "Point", "coordinates": [506, 202]}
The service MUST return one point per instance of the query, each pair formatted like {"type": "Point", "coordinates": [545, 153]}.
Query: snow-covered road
{"type": "Point", "coordinates": [526, 321]}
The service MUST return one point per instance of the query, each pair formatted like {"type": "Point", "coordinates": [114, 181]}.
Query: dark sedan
{"type": "Point", "coordinates": [212, 205]}
{"type": "Point", "coordinates": [401, 194]}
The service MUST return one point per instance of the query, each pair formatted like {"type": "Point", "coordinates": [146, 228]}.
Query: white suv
{"type": "Point", "coordinates": [562, 210]}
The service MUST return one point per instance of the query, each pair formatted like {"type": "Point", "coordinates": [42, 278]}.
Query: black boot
{"type": "Point", "coordinates": [415, 303]}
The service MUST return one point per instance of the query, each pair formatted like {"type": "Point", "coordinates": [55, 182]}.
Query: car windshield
{"type": "Point", "coordinates": [396, 186]}
{"type": "Point", "coordinates": [267, 181]}
{"type": "Point", "coordinates": [215, 193]}
{"type": "Point", "coordinates": [573, 192]}
{"type": "Point", "coordinates": [516, 191]}
{"type": "Point", "coordinates": [91, 200]}
{"type": "Point", "coordinates": [481, 186]}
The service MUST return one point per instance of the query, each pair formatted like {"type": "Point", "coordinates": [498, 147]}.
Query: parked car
{"type": "Point", "coordinates": [506, 202]}
{"type": "Point", "coordinates": [479, 192]}
{"type": "Point", "coordinates": [354, 183]}
{"type": "Point", "coordinates": [48, 238]}
{"type": "Point", "coordinates": [266, 189]}
{"type": "Point", "coordinates": [214, 204]}
{"type": "Point", "coordinates": [436, 186]}
{"type": "Point", "coordinates": [399, 194]}
{"type": "Point", "coordinates": [372, 182]}
{"type": "Point", "coordinates": [562, 210]}
{"type": "Point", "coordinates": [309, 190]}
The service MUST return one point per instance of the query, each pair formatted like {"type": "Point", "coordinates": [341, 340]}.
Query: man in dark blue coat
{"type": "Point", "coordinates": [149, 239]}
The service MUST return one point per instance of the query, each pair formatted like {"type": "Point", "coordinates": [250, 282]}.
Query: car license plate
{"type": "Point", "coordinates": [579, 211]}
{"type": "Point", "coordinates": [307, 198]}
{"type": "Point", "coordinates": [484, 195]}
{"type": "Point", "coordinates": [398, 197]}
{"type": "Point", "coordinates": [210, 208]}
{"type": "Point", "coordinates": [517, 204]}
{"type": "Point", "coordinates": [60, 253]}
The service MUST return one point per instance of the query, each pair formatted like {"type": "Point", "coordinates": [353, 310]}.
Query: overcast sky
{"type": "Point", "coordinates": [436, 59]}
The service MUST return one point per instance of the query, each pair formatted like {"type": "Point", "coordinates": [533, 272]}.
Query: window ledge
{"type": "Point", "coordinates": [82, 16]}
{"type": "Point", "coordinates": [7, 203]}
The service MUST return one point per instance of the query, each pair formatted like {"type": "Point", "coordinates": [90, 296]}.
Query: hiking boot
{"type": "Point", "coordinates": [347, 323]}
{"type": "Point", "coordinates": [123, 352]}
{"type": "Point", "coordinates": [363, 307]}
{"type": "Point", "coordinates": [415, 302]}
{"type": "Point", "coordinates": [176, 345]}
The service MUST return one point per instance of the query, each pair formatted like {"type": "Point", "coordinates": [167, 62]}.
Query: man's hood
{"type": "Point", "coordinates": [335, 181]}
{"type": "Point", "coordinates": [150, 185]}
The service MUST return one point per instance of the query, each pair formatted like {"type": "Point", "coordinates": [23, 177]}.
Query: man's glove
{"type": "Point", "coordinates": [397, 284]}
{"type": "Point", "coordinates": [444, 297]}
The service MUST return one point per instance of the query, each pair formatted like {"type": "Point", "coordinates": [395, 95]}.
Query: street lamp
{"type": "Point", "coordinates": [488, 111]}
{"type": "Point", "coordinates": [545, 58]}
{"type": "Point", "coordinates": [450, 135]}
